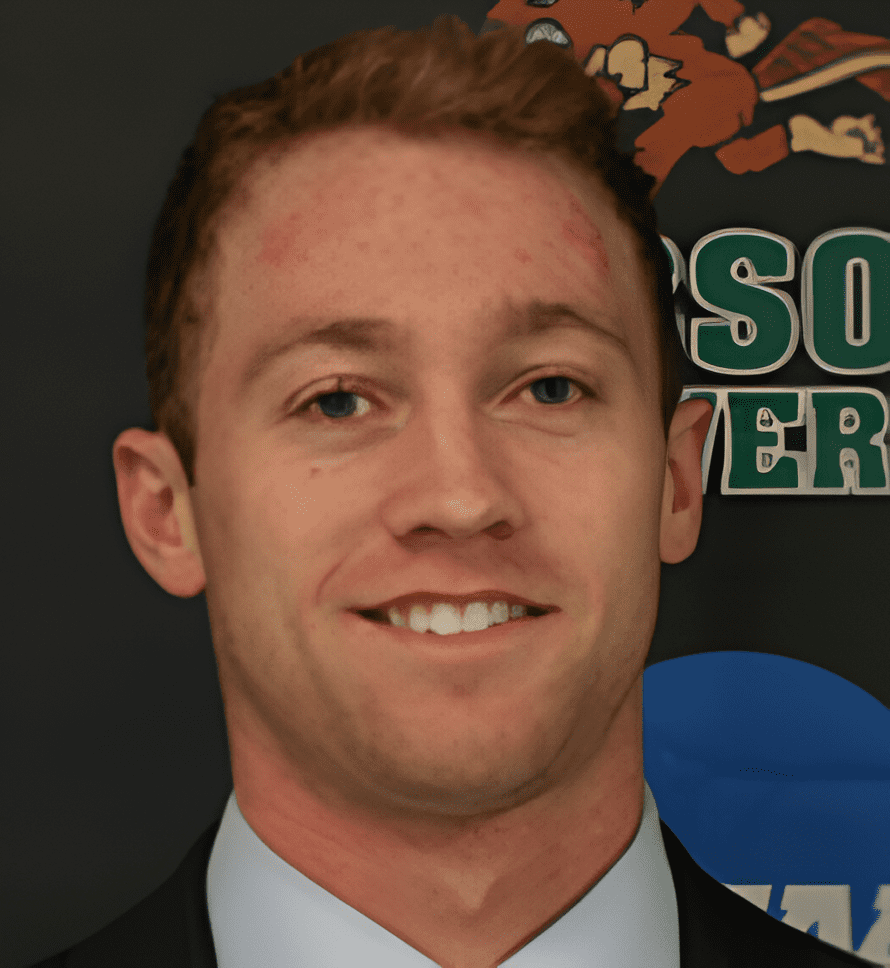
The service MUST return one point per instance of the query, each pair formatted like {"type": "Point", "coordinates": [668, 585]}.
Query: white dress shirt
{"type": "Point", "coordinates": [265, 912]}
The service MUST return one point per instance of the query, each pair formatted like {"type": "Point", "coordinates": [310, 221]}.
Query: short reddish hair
{"type": "Point", "coordinates": [531, 96]}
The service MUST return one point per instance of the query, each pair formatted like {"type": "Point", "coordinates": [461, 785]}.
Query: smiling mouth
{"type": "Point", "coordinates": [448, 621]}
{"type": "Point", "coordinates": [379, 615]}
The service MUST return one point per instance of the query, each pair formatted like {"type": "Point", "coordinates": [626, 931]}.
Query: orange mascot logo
{"type": "Point", "coordinates": [646, 62]}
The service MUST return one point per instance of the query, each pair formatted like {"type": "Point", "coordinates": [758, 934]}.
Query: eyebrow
{"type": "Point", "coordinates": [374, 336]}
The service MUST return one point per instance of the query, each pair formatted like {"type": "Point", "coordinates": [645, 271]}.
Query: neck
{"type": "Point", "coordinates": [467, 892]}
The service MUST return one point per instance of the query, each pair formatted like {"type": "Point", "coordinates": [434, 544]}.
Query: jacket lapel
{"type": "Point", "coordinates": [719, 929]}
{"type": "Point", "coordinates": [170, 927]}
{"type": "Point", "coordinates": [705, 940]}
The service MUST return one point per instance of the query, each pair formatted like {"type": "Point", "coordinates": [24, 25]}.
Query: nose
{"type": "Point", "coordinates": [453, 477]}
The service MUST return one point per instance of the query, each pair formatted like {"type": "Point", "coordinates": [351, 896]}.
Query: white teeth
{"type": "Point", "coordinates": [499, 613]}
{"type": "Point", "coordinates": [419, 619]}
{"type": "Point", "coordinates": [475, 617]}
{"type": "Point", "coordinates": [445, 619]}
{"type": "Point", "coordinates": [395, 617]}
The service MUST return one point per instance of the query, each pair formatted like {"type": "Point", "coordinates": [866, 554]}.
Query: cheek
{"type": "Point", "coordinates": [248, 510]}
{"type": "Point", "coordinates": [634, 486]}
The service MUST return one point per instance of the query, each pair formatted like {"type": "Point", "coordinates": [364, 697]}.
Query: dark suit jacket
{"type": "Point", "coordinates": [718, 929]}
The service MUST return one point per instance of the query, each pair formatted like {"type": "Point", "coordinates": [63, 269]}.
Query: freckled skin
{"type": "Point", "coordinates": [436, 251]}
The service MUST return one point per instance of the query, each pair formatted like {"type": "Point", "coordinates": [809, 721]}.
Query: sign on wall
{"type": "Point", "coordinates": [746, 297]}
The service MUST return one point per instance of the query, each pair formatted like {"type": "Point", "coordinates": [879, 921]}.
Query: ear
{"type": "Point", "coordinates": [156, 510]}
{"type": "Point", "coordinates": [681, 506]}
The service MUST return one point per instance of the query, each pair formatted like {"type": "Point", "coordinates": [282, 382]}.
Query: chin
{"type": "Point", "coordinates": [464, 788]}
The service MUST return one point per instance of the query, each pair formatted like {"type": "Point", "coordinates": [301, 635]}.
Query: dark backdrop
{"type": "Point", "coordinates": [114, 747]}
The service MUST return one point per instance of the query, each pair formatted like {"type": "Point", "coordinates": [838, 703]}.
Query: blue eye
{"type": "Point", "coordinates": [340, 404]}
{"type": "Point", "coordinates": [552, 386]}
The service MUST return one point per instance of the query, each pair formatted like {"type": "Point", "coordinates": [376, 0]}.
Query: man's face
{"type": "Point", "coordinates": [456, 466]}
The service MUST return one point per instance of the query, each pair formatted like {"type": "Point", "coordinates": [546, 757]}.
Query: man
{"type": "Point", "coordinates": [409, 349]}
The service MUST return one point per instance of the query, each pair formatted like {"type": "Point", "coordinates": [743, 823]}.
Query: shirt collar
{"type": "Point", "coordinates": [263, 911]}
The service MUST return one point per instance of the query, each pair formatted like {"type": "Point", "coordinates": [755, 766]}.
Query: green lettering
{"type": "Point", "coordinates": [678, 275]}
{"type": "Point", "coordinates": [846, 301]}
{"type": "Point", "coordinates": [757, 328]}
{"type": "Point", "coordinates": [851, 456]}
{"type": "Point", "coordinates": [755, 460]}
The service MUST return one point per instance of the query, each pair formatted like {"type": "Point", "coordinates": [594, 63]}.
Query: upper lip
{"type": "Point", "coordinates": [428, 598]}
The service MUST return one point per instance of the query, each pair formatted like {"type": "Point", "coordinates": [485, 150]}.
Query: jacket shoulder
{"type": "Point", "coordinates": [170, 927]}
{"type": "Point", "coordinates": [720, 929]}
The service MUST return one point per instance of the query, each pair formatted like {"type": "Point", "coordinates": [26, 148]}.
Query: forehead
{"type": "Point", "coordinates": [339, 202]}
{"type": "Point", "coordinates": [327, 172]}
